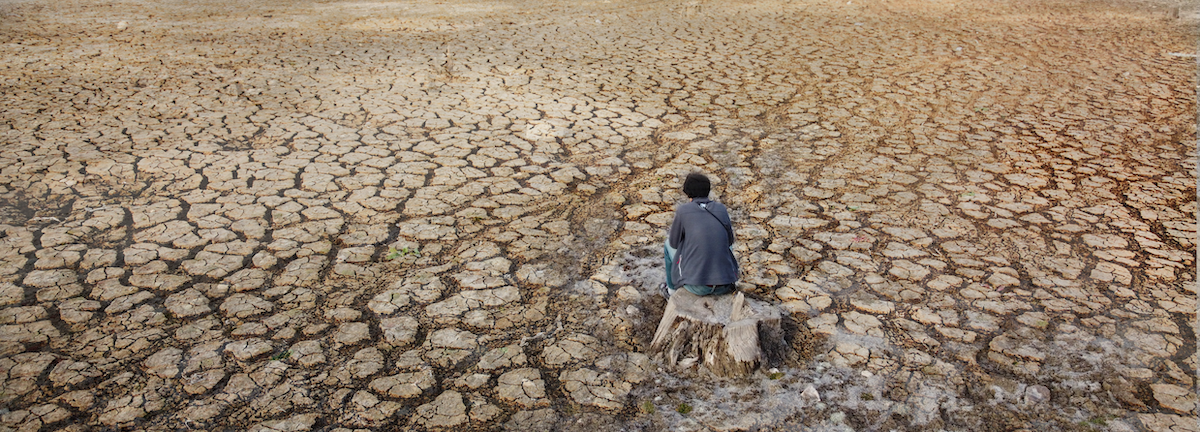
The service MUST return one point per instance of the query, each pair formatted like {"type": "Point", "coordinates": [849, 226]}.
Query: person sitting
{"type": "Point", "coordinates": [699, 248]}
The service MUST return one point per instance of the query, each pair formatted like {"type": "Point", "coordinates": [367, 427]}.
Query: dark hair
{"type": "Point", "coordinates": [696, 185]}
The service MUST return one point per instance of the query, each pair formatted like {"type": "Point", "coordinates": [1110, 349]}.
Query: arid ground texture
{"type": "Point", "coordinates": [449, 215]}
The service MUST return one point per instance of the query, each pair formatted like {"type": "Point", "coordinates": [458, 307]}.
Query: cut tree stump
{"type": "Point", "coordinates": [729, 335]}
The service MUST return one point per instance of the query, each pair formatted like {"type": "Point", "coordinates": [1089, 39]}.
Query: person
{"type": "Point", "coordinates": [699, 248]}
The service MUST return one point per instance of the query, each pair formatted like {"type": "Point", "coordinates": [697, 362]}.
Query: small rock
{"type": "Point", "coordinates": [810, 395]}
{"type": "Point", "coordinates": [1036, 394]}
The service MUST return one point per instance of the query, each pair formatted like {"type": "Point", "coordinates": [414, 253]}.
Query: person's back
{"type": "Point", "coordinates": [698, 249]}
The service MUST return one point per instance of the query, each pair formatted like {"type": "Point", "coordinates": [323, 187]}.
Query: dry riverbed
{"type": "Point", "coordinates": [340, 215]}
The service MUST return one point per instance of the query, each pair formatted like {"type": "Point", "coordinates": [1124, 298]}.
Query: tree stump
{"type": "Point", "coordinates": [729, 335]}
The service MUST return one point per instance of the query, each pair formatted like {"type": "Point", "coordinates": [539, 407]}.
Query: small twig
{"type": "Point", "coordinates": [93, 210]}
{"type": "Point", "coordinates": [45, 218]}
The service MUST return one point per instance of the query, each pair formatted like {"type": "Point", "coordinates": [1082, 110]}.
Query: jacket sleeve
{"type": "Point", "coordinates": [676, 234]}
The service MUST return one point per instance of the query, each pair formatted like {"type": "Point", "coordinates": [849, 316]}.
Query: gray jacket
{"type": "Point", "coordinates": [703, 234]}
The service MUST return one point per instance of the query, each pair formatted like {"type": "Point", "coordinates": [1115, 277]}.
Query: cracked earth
{"type": "Point", "coordinates": [291, 216]}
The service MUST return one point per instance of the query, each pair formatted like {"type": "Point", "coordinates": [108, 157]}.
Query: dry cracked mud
{"type": "Point", "coordinates": [340, 215]}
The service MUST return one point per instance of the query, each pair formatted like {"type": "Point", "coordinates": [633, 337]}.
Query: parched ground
{"type": "Point", "coordinates": [302, 215]}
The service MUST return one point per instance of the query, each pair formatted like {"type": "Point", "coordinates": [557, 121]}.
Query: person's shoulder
{"type": "Point", "coordinates": [720, 209]}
